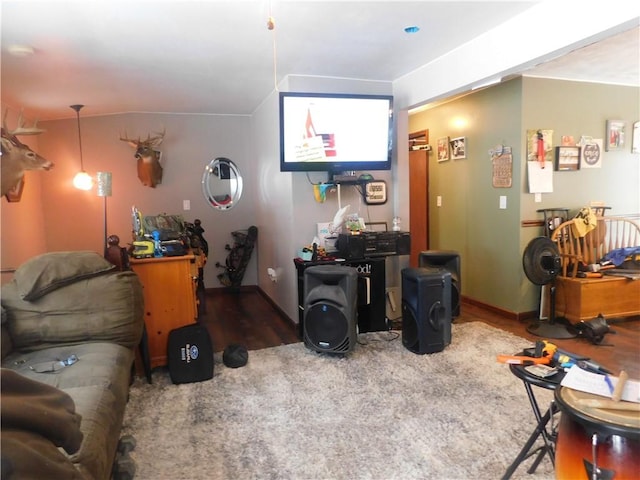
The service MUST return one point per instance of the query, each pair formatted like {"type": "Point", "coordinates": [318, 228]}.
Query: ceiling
{"type": "Point", "coordinates": [219, 57]}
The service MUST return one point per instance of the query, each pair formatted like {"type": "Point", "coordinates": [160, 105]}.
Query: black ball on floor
{"type": "Point", "coordinates": [235, 356]}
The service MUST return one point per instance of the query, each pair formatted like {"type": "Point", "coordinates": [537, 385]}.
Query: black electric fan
{"type": "Point", "coordinates": [541, 263]}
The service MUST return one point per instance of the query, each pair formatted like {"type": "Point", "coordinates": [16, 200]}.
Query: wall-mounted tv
{"type": "Point", "coordinates": [335, 132]}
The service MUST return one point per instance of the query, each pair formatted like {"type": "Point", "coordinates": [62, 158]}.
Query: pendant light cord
{"type": "Point", "coordinates": [271, 26]}
{"type": "Point", "coordinates": [77, 109]}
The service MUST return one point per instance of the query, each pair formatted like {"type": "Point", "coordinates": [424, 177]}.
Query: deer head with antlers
{"type": "Point", "coordinates": [17, 157]}
{"type": "Point", "coordinates": [149, 168]}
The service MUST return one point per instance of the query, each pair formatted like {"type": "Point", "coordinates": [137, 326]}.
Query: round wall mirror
{"type": "Point", "coordinates": [222, 183]}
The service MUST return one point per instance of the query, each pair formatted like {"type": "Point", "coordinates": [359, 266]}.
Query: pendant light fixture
{"type": "Point", "coordinates": [82, 180]}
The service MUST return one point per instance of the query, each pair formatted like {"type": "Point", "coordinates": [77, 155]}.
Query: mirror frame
{"type": "Point", "coordinates": [209, 173]}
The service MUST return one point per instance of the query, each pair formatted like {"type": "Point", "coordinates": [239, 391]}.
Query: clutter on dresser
{"type": "Point", "coordinates": [165, 235]}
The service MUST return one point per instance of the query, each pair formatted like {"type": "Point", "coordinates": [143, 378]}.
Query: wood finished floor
{"type": "Point", "coordinates": [248, 318]}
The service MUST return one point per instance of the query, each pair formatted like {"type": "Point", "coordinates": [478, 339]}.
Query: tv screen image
{"type": "Point", "coordinates": [335, 132]}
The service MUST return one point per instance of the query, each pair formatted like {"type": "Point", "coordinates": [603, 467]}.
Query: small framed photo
{"type": "Point", "coordinates": [615, 135]}
{"type": "Point", "coordinates": [635, 138]}
{"type": "Point", "coordinates": [458, 148]}
{"type": "Point", "coordinates": [591, 153]}
{"type": "Point", "coordinates": [568, 158]}
{"type": "Point", "coordinates": [443, 149]}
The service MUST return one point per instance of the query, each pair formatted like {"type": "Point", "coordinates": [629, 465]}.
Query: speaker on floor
{"type": "Point", "coordinates": [426, 309]}
{"type": "Point", "coordinates": [450, 261]}
{"type": "Point", "coordinates": [330, 308]}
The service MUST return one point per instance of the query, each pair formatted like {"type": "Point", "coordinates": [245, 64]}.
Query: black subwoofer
{"type": "Point", "coordinates": [330, 308]}
{"type": "Point", "coordinates": [426, 309]}
{"type": "Point", "coordinates": [450, 262]}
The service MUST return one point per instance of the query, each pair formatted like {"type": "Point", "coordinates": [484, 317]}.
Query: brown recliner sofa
{"type": "Point", "coordinates": [70, 321]}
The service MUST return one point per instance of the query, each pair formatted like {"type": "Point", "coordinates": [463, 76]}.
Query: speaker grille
{"type": "Point", "coordinates": [329, 319]}
{"type": "Point", "coordinates": [327, 328]}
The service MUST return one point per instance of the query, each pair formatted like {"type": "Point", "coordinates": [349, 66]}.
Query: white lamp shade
{"type": "Point", "coordinates": [83, 181]}
{"type": "Point", "coordinates": [103, 180]}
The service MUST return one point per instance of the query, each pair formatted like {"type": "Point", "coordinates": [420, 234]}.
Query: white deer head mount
{"type": "Point", "coordinates": [149, 168]}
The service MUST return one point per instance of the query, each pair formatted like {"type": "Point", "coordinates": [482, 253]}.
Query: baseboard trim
{"type": "Point", "coordinates": [243, 288]}
{"type": "Point", "coordinates": [518, 316]}
{"type": "Point", "coordinates": [508, 314]}
{"type": "Point", "coordinates": [276, 307]}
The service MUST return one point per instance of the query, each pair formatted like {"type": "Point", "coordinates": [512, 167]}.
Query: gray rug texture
{"type": "Point", "coordinates": [380, 412]}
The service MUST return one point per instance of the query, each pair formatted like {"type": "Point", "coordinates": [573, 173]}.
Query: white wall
{"type": "Point", "coordinates": [274, 209]}
{"type": "Point", "coordinates": [288, 212]}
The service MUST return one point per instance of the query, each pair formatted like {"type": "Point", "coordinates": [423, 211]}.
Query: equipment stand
{"type": "Point", "coordinates": [548, 437]}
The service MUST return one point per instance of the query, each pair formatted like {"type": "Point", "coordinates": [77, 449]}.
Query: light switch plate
{"type": "Point", "coordinates": [375, 192]}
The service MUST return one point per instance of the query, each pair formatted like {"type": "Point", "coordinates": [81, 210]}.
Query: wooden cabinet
{"type": "Point", "coordinates": [580, 299]}
{"type": "Point", "coordinates": [169, 285]}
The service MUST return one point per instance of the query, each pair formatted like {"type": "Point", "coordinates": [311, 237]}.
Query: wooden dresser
{"type": "Point", "coordinates": [169, 285]}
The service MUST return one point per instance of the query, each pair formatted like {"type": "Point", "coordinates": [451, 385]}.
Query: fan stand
{"type": "Point", "coordinates": [552, 329]}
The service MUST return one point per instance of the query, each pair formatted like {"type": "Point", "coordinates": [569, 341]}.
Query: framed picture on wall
{"type": "Point", "coordinates": [635, 138]}
{"type": "Point", "coordinates": [615, 135]}
{"type": "Point", "coordinates": [458, 148]}
{"type": "Point", "coordinates": [568, 158]}
{"type": "Point", "coordinates": [591, 153]}
{"type": "Point", "coordinates": [443, 149]}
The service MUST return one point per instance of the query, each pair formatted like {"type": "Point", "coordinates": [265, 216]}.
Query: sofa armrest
{"type": "Point", "coordinates": [104, 308]}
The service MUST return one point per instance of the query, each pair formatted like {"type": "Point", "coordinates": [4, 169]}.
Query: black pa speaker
{"type": "Point", "coordinates": [426, 309]}
{"type": "Point", "coordinates": [330, 308]}
{"type": "Point", "coordinates": [450, 261]}
{"type": "Point", "coordinates": [190, 354]}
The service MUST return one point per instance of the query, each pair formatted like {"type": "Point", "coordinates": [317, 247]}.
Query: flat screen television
{"type": "Point", "coordinates": [335, 132]}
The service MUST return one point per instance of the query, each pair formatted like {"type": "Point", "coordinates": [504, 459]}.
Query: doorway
{"type": "Point", "coordinates": [419, 193]}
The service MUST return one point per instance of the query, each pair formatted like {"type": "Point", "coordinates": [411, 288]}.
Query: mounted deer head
{"type": "Point", "coordinates": [17, 157]}
{"type": "Point", "coordinates": [149, 168]}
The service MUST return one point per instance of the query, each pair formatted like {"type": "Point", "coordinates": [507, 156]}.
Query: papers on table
{"type": "Point", "coordinates": [590, 382]}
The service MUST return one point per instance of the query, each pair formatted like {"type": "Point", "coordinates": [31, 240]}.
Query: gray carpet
{"type": "Point", "coordinates": [381, 412]}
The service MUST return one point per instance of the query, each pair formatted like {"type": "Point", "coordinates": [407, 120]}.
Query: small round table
{"type": "Point", "coordinates": [549, 383]}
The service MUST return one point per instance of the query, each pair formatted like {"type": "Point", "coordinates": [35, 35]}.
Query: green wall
{"type": "Point", "coordinates": [469, 220]}
{"type": "Point", "coordinates": [490, 239]}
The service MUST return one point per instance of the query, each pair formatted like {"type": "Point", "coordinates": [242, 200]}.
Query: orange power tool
{"type": "Point", "coordinates": [523, 360]}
